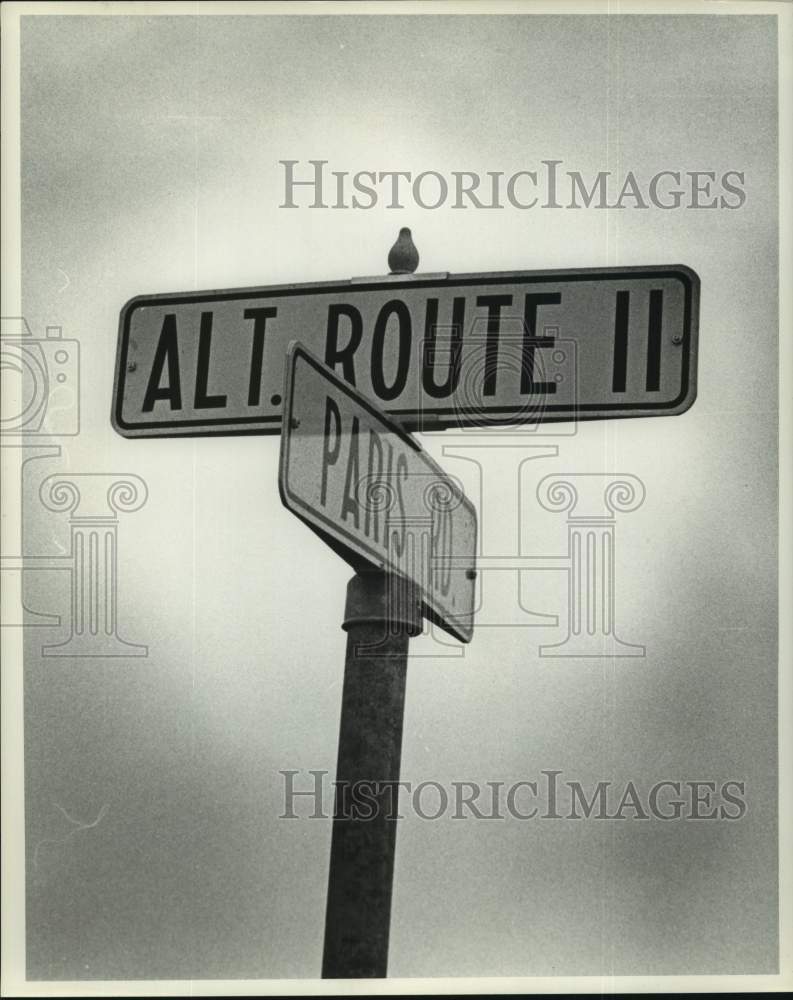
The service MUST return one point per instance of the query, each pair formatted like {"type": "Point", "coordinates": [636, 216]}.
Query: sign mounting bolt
{"type": "Point", "coordinates": [132, 366]}
{"type": "Point", "coordinates": [294, 423]}
{"type": "Point", "coordinates": [677, 339]}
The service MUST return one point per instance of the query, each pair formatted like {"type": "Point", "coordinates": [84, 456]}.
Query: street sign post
{"type": "Point", "coordinates": [433, 350]}
{"type": "Point", "coordinates": [371, 492]}
{"type": "Point", "coordinates": [363, 838]}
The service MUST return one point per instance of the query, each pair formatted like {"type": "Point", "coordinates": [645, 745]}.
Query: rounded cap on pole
{"type": "Point", "coordinates": [403, 257]}
{"type": "Point", "coordinates": [383, 599]}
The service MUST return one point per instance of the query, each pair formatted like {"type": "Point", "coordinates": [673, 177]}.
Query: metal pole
{"type": "Point", "coordinates": [381, 615]}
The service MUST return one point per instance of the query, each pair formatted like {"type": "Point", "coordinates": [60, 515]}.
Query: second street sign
{"type": "Point", "coordinates": [374, 495]}
{"type": "Point", "coordinates": [435, 351]}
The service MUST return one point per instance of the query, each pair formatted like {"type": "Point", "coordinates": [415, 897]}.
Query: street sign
{"type": "Point", "coordinates": [434, 350]}
{"type": "Point", "coordinates": [370, 490]}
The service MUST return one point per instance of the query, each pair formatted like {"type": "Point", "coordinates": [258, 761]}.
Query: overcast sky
{"type": "Point", "coordinates": [150, 153]}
